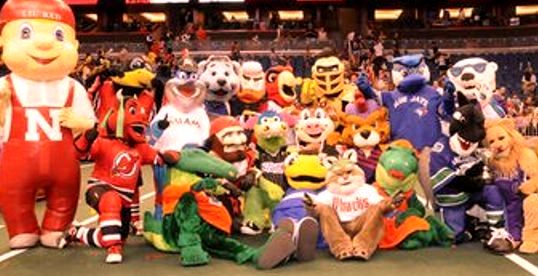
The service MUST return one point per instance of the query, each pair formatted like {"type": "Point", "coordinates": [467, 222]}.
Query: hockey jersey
{"type": "Point", "coordinates": [118, 164]}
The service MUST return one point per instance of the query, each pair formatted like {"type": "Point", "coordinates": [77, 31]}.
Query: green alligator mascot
{"type": "Point", "coordinates": [197, 225]}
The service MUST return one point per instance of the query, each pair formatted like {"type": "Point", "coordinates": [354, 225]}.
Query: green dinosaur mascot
{"type": "Point", "coordinates": [408, 227]}
{"type": "Point", "coordinates": [197, 225]}
{"type": "Point", "coordinates": [270, 130]}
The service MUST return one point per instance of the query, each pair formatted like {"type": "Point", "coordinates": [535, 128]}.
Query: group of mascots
{"type": "Point", "coordinates": [317, 163]}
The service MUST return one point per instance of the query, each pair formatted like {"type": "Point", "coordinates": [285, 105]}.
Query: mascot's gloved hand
{"type": "Point", "coordinates": [310, 206]}
{"type": "Point", "coordinates": [449, 88]}
{"type": "Point", "coordinates": [170, 157]}
{"type": "Point", "coordinates": [449, 100]}
{"type": "Point", "coordinates": [366, 88]}
{"type": "Point", "coordinates": [5, 96]}
{"type": "Point", "coordinates": [247, 181]}
{"type": "Point", "coordinates": [231, 189]}
{"type": "Point", "coordinates": [274, 191]}
{"type": "Point", "coordinates": [206, 184]}
{"type": "Point", "coordinates": [92, 134]}
{"type": "Point", "coordinates": [164, 123]}
{"type": "Point", "coordinates": [72, 120]}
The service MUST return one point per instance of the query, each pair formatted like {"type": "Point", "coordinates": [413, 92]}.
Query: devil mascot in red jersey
{"type": "Point", "coordinates": [118, 157]}
{"type": "Point", "coordinates": [41, 110]}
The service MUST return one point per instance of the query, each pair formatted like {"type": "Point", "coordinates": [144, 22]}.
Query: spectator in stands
{"type": "Point", "coordinates": [445, 17]}
{"type": "Point", "coordinates": [236, 51]}
{"type": "Point", "coordinates": [149, 40]}
{"type": "Point", "coordinates": [528, 82]}
{"type": "Point", "coordinates": [461, 17]}
{"type": "Point", "coordinates": [322, 34]}
{"type": "Point", "coordinates": [378, 48]}
{"type": "Point", "coordinates": [310, 33]}
{"type": "Point", "coordinates": [201, 34]}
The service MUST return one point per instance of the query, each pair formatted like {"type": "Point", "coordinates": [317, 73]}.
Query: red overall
{"type": "Point", "coordinates": [32, 160]}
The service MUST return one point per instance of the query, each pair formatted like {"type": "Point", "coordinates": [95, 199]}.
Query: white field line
{"type": "Point", "coordinates": [516, 259]}
{"type": "Point", "coordinates": [526, 265]}
{"type": "Point", "coordinates": [10, 254]}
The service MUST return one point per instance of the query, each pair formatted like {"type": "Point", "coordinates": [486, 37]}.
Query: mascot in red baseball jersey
{"type": "Point", "coordinates": [41, 109]}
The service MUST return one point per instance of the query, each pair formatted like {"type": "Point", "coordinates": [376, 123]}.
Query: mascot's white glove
{"type": "Point", "coordinates": [70, 119]}
{"type": "Point", "coordinates": [5, 96]}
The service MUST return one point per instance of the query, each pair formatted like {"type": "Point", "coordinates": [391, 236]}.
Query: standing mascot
{"type": "Point", "coordinates": [475, 79]}
{"type": "Point", "coordinates": [251, 96]}
{"type": "Point", "coordinates": [415, 108]}
{"type": "Point", "coordinates": [221, 76]}
{"type": "Point", "coordinates": [41, 110]}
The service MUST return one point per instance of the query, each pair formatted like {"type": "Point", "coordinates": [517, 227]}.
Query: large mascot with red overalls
{"type": "Point", "coordinates": [41, 110]}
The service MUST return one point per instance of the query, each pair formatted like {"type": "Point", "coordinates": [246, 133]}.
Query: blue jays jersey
{"type": "Point", "coordinates": [414, 116]}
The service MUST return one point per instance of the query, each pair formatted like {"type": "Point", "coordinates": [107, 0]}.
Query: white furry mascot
{"type": "Point", "coordinates": [221, 76]}
{"type": "Point", "coordinates": [475, 78]}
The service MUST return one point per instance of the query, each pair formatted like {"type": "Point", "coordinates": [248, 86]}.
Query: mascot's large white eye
{"type": "Point", "coordinates": [265, 120]}
{"type": "Point", "coordinates": [26, 31]}
{"type": "Point", "coordinates": [291, 159]}
{"type": "Point", "coordinates": [320, 114]}
{"type": "Point", "coordinates": [329, 161]}
{"type": "Point", "coordinates": [59, 34]}
{"type": "Point", "coordinates": [182, 76]}
{"type": "Point", "coordinates": [305, 115]}
{"type": "Point", "coordinates": [350, 155]}
{"type": "Point", "coordinates": [276, 119]}
{"type": "Point", "coordinates": [194, 76]}
{"type": "Point", "coordinates": [272, 77]}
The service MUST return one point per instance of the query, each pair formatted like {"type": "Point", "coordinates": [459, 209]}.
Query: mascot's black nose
{"type": "Point", "coordinates": [221, 82]}
{"type": "Point", "coordinates": [467, 77]}
{"type": "Point", "coordinates": [365, 134]}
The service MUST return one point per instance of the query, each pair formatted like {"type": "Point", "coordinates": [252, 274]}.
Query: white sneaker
{"type": "Point", "coordinates": [250, 229]}
{"type": "Point", "coordinates": [114, 255]}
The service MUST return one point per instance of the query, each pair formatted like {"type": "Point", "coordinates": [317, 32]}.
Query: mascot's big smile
{"type": "Point", "coordinates": [219, 92]}
{"type": "Point", "coordinates": [314, 126]}
{"type": "Point", "coordinates": [305, 172]}
{"type": "Point", "coordinates": [43, 61]}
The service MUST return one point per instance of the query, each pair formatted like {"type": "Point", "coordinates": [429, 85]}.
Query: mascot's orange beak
{"type": "Point", "coordinates": [397, 174]}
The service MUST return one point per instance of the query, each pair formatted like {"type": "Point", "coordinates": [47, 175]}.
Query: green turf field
{"type": "Point", "coordinates": [140, 259]}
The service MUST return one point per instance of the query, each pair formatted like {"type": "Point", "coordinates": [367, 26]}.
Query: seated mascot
{"type": "Point", "coordinates": [181, 121]}
{"type": "Point", "coordinates": [112, 186]}
{"type": "Point", "coordinates": [460, 177]}
{"type": "Point", "coordinates": [41, 111]}
{"type": "Point", "coordinates": [350, 211]}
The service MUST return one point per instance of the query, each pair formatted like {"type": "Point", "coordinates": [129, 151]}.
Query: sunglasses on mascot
{"type": "Point", "coordinates": [478, 67]}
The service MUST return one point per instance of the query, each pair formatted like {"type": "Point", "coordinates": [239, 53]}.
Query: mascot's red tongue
{"type": "Point", "coordinates": [397, 174]}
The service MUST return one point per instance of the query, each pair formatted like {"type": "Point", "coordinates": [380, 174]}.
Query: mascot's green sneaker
{"type": "Point", "coordinates": [278, 249]}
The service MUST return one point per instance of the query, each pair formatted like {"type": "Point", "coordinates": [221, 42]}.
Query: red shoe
{"type": "Point", "coordinates": [114, 255]}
